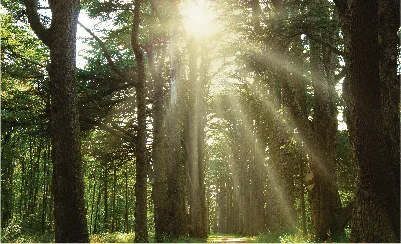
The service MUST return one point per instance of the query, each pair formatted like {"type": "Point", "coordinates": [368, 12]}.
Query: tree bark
{"type": "Point", "coordinates": [126, 214]}
{"type": "Point", "coordinates": [7, 171]}
{"type": "Point", "coordinates": [68, 187]}
{"type": "Point", "coordinates": [324, 197]}
{"type": "Point", "coordinates": [106, 197]}
{"type": "Point", "coordinates": [159, 162]}
{"type": "Point", "coordinates": [141, 226]}
{"type": "Point", "coordinates": [114, 215]}
{"type": "Point", "coordinates": [176, 213]}
{"type": "Point", "coordinates": [372, 92]}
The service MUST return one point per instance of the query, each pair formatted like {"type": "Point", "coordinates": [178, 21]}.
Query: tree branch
{"type": "Point", "coordinates": [344, 216]}
{"type": "Point", "coordinates": [135, 32]}
{"type": "Point", "coordinates": [106, 53]}
{"type": "Point", "coordinates": [115, 132]}
{"type": "Point", "coordinates": [324, 44]}
{"type": "Point", "coordinates": [34, 21]}
{"type": "Point", "coordinates": [12, 53]}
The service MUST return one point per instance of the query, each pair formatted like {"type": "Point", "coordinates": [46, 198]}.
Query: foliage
{"type": "Point", "coordinates": [248, 122]}
{"type": "Point", "coordinates": [28, 231]}
{"type": "Point", "coordinates": [282, 237]}
{"type": "Point", "coordinates": [116, 237]}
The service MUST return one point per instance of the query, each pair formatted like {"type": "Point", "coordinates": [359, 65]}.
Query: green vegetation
{"type": "Point", "coordinates": [199, 121]}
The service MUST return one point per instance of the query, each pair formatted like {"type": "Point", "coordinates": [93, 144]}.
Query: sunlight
{"type": "Point", "coordinates": [198, 18]}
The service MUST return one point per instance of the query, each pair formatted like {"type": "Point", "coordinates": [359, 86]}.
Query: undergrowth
{"type": "Point", "coordinates": [295, 237]}
{"type": "Point", "coordinates": [116, 237]}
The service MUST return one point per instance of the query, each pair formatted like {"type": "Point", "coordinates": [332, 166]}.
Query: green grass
{"type": "Point", "coordinates": [13, 234]}
{"type": "Point", "coordinates": [294, 237]}
{"type": "Point", "coordinates": [116, 237]}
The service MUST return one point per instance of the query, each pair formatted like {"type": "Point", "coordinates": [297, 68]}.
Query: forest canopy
{"type": "Point", "coordinates": [200, 121]}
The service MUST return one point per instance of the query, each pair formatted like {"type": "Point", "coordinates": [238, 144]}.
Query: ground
{"type": "Point", "coordinates": [226, 239]}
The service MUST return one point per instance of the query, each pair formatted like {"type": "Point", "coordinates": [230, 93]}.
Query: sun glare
{"type": "Point", "coordinates": [198, 18]}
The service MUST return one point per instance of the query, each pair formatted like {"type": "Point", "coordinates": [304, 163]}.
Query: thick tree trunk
{"type": "Point", "coordinates": [194, 143]}
{"type": "Point", "coordinates": [68, 187]}
{"type": "Point", "coordinates": [176, 212]}
{"type": "Point", "coordinates": [373, 116]}
{"type": "Point", "coordinates": [191, 139]}
{"type": "Point", "coordinates": [159, 193]}
{"type": "Point", "coordinates": [389, 24]}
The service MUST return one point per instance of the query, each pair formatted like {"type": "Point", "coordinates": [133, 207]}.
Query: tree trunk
{"type": "Point", "coordinates": [372, 93]}
{"type": "Point", "coordinates": [7, 171]}
{"type": "Point", "coordinates": [141, 223]}
{"type": "Point", "coordinates": [92, 205]}
{"type": "Point", "coordinates": [324, 197]}
{"type": "Point", "coordinates": [390, 95]}
{"type": "Point", "coordinates": [106, 198]}
{"type": "Point", "coordinates": [159, 193]}
{"type": "Point", "coordinates": [68, 187]}
{"type": "Point", "coordinates": [126, 214]}
{"type": "Point", "coordinates": [99, 196]}
{"type": "Point", "coordinates": [175, 167]}
{"type": "Point", "coordinates": [113, 217]}
{"type": "Point", "coordinates": [194, 141]}
{"type": "Point", "coordinates": [45, 185]}
{"type": "Point", "coordinates": [191, 139]}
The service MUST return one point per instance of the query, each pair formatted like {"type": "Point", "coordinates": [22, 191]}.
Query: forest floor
{"type": "Point", "coordinates": [226, 239]}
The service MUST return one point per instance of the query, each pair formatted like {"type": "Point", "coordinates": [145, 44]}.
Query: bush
{"type": "Point", "coordinates": [12, 231]}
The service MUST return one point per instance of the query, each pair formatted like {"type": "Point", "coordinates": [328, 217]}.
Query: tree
{"type": "Point", "coordinates": [372, 93]}
{"type": "Point", "coordinates": [67, 185]}
{"type": "Point", "coordinates": [141, 227]}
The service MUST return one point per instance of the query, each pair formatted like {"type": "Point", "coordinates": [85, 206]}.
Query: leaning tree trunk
{"type": "Point", "coordinates": [68, 187]}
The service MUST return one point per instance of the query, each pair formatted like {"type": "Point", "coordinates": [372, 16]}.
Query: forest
{"type": "Point", "coordinates": [200, 121]}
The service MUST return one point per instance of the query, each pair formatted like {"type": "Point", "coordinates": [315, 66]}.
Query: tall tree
{"type": "Point", "coordinates": [141, 226]}
{"type": "Point", "coordinates": [174, 121]}
{"type": "Point", "coordinates": [67, 186]}
{"type": "Point", "coordinates": [372, 97]}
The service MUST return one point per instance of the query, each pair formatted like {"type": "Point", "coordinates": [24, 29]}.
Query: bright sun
{"type": "Point", "coordinates": [198, 18]}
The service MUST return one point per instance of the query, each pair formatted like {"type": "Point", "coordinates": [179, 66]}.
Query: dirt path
{"type": "Point", "coordinates": [227, 239]}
